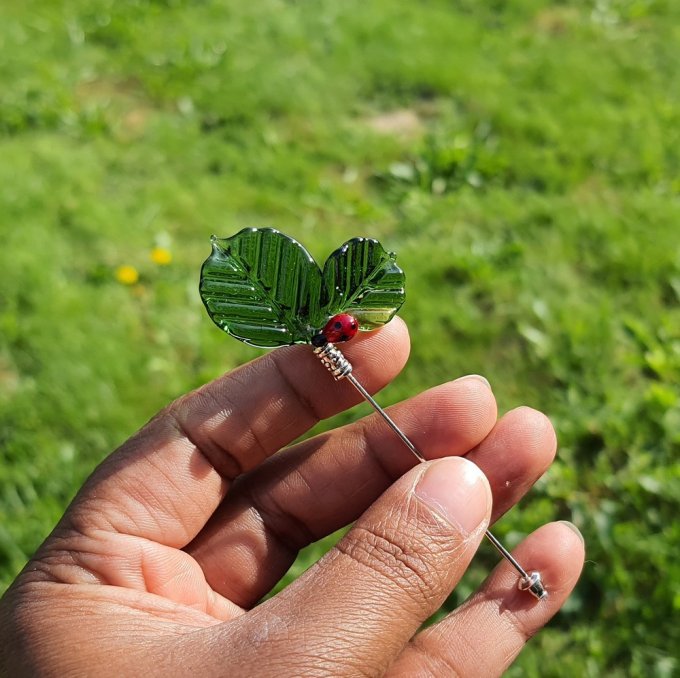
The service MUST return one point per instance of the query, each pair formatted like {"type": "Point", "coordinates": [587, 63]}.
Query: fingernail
{"type": "Point", "coordinates": [573, 528]}
{"type": "Point", "coordinates": [478, 377]}
{"type": "Point", "coordinates": [457, 490]}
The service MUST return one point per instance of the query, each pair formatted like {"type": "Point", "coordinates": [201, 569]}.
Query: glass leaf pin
{"type": "Point", "coordinates": [263, 288]}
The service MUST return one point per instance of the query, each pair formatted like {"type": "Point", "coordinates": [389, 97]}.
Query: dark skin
{"type": "Point", "coordinates": [158, 565]}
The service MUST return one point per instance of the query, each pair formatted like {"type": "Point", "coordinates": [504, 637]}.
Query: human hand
{"type": "Point", "coordinates": [158, 564]}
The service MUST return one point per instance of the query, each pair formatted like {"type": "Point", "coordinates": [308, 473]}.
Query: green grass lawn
{"type": "Point", "coordinates": [521, 157]}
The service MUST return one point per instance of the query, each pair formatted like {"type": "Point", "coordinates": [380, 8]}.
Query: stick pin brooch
{"type": "Point", "coordinates": [263, 288]}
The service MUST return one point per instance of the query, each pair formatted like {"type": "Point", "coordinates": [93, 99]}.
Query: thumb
{"type": "Point", "coordinates": [360, 604]}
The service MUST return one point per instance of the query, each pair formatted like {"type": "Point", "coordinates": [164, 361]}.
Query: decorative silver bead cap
{"type": "Point", "coordinates": [334, 361]}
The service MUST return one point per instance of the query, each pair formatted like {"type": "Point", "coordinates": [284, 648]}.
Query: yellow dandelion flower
{"type": "Point", "coordinates": [161, 256]}
{"type": "Point", "coordinates": [127, 275]}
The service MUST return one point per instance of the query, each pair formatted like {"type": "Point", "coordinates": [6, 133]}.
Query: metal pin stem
{"type": "Point", "coordinates": [336, 363]}
{"type": "Point", "coordinates": [369, 399]}
{"type": "Point", "coordinates": [418, 455]}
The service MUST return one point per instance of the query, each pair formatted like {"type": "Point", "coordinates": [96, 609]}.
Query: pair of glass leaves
{"type": "Point", "coordinates": [265, 289]}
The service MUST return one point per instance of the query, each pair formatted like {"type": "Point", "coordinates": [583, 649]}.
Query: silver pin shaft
{"type": "Point", "coordinates": [336, 363]}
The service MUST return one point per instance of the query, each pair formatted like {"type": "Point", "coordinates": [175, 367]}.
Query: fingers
{"type": "Point", "coordinates": [356, 608]}
{"type": "Point", "coordinates": [167, 480]}
{"type": "Point", "coordinates": [485, 634]}
{"type": "Point", "coordinates": [324, 483]}
{"type": "Point", "coordinates": [241, 419]}
{"type": "Point", "coordinates": [517, 452]}
{"type": "Point", "coordinates": [319, 486]}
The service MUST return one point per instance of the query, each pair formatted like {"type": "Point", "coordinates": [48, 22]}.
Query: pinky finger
{"type": "Point", "coordinates": [485, 634]}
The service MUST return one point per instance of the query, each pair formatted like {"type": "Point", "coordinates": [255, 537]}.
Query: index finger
{"type": "Point", "coordinates": [165, 482]}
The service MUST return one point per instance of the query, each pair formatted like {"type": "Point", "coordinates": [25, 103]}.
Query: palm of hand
{"type": "Point", "coordinates": [158, 565]}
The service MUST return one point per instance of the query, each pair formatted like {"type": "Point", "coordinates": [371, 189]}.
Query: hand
{"type": "Point", "coordinates": [158, 564]}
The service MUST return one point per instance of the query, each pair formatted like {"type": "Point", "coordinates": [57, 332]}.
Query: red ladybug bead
{"type": "Point", "coordinates": [341, 327]}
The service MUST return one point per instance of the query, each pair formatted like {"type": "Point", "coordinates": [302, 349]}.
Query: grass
{"type": "Point", "coordinates": [522, 158]}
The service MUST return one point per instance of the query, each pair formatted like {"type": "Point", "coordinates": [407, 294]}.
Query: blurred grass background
{"type": "Point", "coordinates": [521, 158]}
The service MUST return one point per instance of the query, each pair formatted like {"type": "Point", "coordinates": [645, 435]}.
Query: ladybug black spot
{"type": "Point", "coordinates": [337, 325]}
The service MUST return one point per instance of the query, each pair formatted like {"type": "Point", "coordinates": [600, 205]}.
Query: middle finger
{"type": "Point", "coordinates": [322, 484]}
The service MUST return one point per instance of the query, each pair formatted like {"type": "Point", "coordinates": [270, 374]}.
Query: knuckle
{"type": "Point", "coordinates": [401, 556]}
{"type": "Point", "coordinates": [190, 424]}
{"type": "Point", "coordinates": [290, 529]}
{"type": "Point", "coordinates": [435, 662]}
{"type": "Point", "coordinates": [67, 557]}
{"type": "Point", "coordinates": [522, 631]}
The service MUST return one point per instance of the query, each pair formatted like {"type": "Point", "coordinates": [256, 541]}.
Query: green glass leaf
{"type": "Point", "coordinates": [263, 288]}
{"type": "Point", "coordinates": [362, 279]}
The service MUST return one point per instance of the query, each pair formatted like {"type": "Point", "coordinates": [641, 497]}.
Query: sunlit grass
{"type": "Point", "coordinates": [521, 158]}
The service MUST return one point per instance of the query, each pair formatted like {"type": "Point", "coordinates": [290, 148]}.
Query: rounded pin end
{"type": "Point", "coordinates": [534, 584]}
